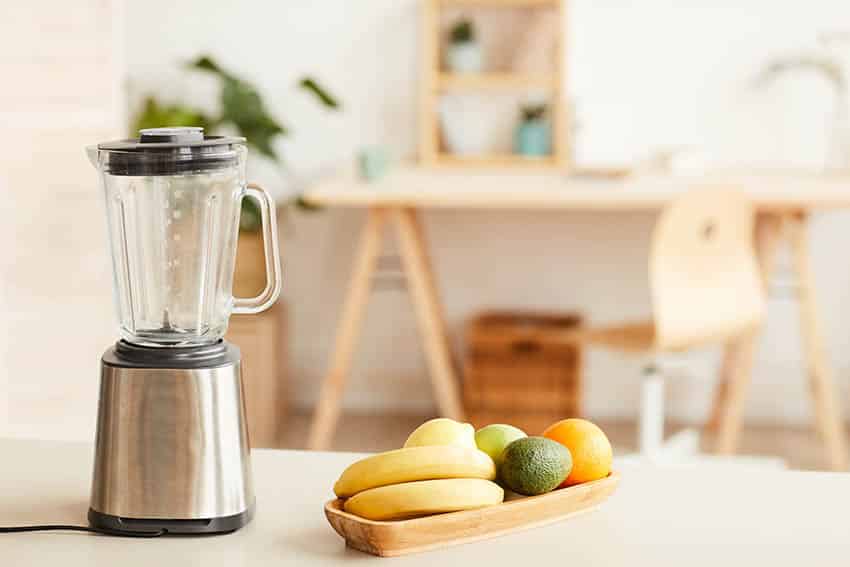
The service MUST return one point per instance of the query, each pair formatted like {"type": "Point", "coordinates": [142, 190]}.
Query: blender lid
{"type": "Point", "coordinates": [171, 151]}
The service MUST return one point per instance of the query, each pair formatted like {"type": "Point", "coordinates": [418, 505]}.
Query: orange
{"type": "Point", "coordinates": [588, 445]}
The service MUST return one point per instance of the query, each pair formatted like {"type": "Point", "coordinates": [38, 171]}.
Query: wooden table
{"type": "Point", "coordinates": [783, 201]}
{"type": "Point", "coordinates": [657, 517]}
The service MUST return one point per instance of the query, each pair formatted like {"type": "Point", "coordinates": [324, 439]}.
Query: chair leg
{"type": "Point", "coordinates": [721, 392]}
{"type": "Point", "coordinates": [651, 425]}
{"type": "Point", "coordinates": [730, 413]}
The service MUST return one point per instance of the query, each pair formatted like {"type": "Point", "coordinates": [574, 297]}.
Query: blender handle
{"type": "Point", "coordinates": [250, 305]}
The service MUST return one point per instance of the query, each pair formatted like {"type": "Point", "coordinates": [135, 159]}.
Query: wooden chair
{"type": "Point", "coordinates": [706, 289]}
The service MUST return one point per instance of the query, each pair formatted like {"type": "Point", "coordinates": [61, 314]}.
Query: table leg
{"type": "Point", "coordinates": [822, 384]}
{"type": "Point", "coordinates": [737, 364]}
{"type": "Point", "coordinates": [327, 408]}
{"type": "Point", "coordinates": [429, 312]}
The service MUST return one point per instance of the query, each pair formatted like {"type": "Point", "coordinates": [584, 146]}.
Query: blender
{"type": "Point", "coordinates": [171, 450]}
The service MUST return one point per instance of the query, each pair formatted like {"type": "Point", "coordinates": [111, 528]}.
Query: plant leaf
{"type": "Point", "coordinates": [310, 85]}
{"type": "Point", "coordinates": [243, 107]}
{"type": "Point", "coordinates": [206, 63]}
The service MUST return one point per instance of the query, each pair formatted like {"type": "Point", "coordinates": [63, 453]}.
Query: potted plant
{"type": "Point", "coordinates": [464, 52]}
{"type": "Point", "coordinates": [533, 136]}
{"type": "Point", "coordinates": [241, 109]}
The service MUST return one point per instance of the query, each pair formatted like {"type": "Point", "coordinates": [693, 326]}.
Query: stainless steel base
{"type": "Point", "coordinates": [223, 524]}
{"type": "Point", "coordinates": [172, 447]}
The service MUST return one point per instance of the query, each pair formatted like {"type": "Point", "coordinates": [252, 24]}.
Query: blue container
{"type": "Point", "coordinates": [533, 138]}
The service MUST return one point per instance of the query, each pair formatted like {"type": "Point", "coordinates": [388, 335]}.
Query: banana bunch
{"type": "Point", "coordinates": [422, 479]}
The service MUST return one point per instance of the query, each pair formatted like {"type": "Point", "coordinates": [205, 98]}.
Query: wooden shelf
{"type": "Point", "coordinates": [437, 82]}
{"type": "Point", "coordinates": [495, 81]}
{"type": "Point", "coordinates": [499, 3]}
{"type": "Point", "coordinates": [496, 160]}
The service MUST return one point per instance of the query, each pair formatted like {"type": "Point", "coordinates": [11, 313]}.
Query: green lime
{"type": "Point", "coordinates": [535, 465]}
{"type": "Point", "coordinates": [494, 438]}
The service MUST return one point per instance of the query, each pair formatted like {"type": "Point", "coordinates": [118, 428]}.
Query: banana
{"type": "Point", "coordinates": [412, 499]}
{"type": "Point", "coordinates": [412, 464]}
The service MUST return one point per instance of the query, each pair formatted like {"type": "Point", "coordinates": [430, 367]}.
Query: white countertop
{"type": "Point", "coordinates": [673, 516]}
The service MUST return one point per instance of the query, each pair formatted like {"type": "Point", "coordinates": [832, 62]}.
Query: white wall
{"type": "Point", "coordinates": [643, 74]}
{"type": "Point", "coordinates": [62, 66]}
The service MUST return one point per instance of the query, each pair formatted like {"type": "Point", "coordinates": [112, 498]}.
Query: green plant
{"type": "Point", "coordinates": [462, 32]}
{"type": "Point", "coordinates": [242, 108]}
{"type": "Point", "coordinates": [532, 112]}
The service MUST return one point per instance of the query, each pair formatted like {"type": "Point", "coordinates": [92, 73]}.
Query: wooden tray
{"type": "Point", "coordinates": [401, 537]}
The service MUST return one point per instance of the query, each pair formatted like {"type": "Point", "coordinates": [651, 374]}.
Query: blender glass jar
{"type": "Point", "coordinates": [173, 202]}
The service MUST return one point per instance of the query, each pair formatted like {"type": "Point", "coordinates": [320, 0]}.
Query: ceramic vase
{"type": "Point", "coordinates": [465, 57]}
{"type": "Point", "coordinates": [533, 138]}
{"type": "Point", "coordinates": [465, 127]}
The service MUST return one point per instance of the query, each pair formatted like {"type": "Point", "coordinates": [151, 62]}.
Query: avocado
{"type": "Point", "coordinates": [534, 465]}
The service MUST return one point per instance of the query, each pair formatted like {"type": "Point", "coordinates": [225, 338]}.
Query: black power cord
{"type": "Point", "coordinates": [89, 529]}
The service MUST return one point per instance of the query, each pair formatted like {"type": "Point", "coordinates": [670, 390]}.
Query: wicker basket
{"type": "Point", "coordinates": [522, 369]}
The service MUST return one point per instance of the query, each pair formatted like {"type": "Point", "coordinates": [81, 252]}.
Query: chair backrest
{"type": "Point", "coordinates": [703, 273]}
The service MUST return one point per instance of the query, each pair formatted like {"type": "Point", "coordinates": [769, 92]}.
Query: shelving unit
{"type": "Point", "coordinates": [437, 82]}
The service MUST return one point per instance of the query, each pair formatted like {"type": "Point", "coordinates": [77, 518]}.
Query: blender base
{"type": "Point", "coordinates": [172, 451]}
{"type": "Point", "coordinates": [222, 525]}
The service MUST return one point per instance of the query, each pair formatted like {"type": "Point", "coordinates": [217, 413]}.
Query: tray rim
{"type": "Point", "coordinates": [334, 506]}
